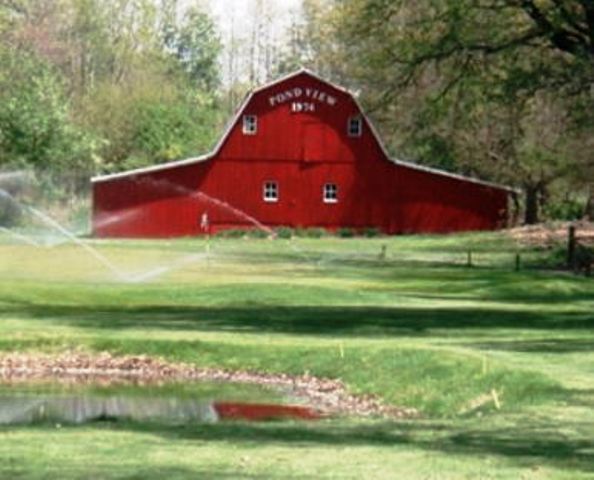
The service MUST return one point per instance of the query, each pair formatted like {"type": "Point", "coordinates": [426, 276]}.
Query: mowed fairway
{"type": "Point", "coordinates": [418, 328]}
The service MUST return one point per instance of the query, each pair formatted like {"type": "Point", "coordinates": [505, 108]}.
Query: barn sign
{"type": "Point", "coordinates": [278, 166]}
{"type": "Point", "coordinates": [303, 96]}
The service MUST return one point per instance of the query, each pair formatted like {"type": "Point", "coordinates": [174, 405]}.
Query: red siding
{"type": "Point", "coordinates": [301, 152]}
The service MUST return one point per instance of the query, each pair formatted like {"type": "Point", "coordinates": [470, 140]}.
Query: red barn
{"type": "Point", "coordinates": [300, 152]}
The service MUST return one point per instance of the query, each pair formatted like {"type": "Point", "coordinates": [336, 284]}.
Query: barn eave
{"type": "Point", "coordinates": [152, 168]}
{"type": "Point", "coordinates": [436, 171]}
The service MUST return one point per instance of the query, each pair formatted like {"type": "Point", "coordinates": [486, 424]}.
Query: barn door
{"type": "Point", "coordinates": [321, 143]}
{"type": "Point", "coordinates": [314, 142]}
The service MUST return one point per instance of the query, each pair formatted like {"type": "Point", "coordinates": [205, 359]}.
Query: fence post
{"type": "Point", "coordinates": [571, 247]}
{"type": "Point", "coordinates": [469, 259]}
{"type": "Point", "coordinates": [383, 251]}
{"type": "Point", "coordinates": [518, 261]}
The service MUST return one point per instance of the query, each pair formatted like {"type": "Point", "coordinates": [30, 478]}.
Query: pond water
{"type": "Point", "coordinates": [30, 403]}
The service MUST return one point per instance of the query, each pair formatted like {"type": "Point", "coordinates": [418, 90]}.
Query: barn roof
{"type": "Point", "coordinates": [237, 116]}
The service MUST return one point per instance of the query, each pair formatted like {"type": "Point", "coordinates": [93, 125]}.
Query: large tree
{"type": "Point", "coordinates": [461, 82]}
{"type": "Point", "coordinates": [195, 44]}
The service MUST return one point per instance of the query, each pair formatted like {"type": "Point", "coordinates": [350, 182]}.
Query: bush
{"type": "Point", "coordinates": [231, 233]}
{"type": "Point", "coordinates": [567, 209]}
{"type": "Point", "coordinates": [371, 232]}
{"type": "Point", "coordinates": [311, 232]}
{"type": "Point", "coordinates": [284, 232]}
{"type": "Point", "coordinates": [345, 233]}
{"type": "Point", "coordinates": [584, 258]}
{"type": "Point", "coordinates": [257, 233]}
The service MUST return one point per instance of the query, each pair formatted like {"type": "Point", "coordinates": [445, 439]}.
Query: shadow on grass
{"type": "Point", "coordinates": [549, 345]}
{"type": "Point", "coordinates": [65, 471]}
{"type": "Point", "coordinates": [534, 443]}
{"type": "Point", "coordinates": [311, 320]}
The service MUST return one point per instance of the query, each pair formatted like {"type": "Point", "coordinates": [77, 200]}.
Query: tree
{"type": "Point", "coordinates": [313, 42]}
{"type": "Point", "coordinates": [105, 84]}
{"type": "Point", "coordinates": [463, 80]}
{"type": "Point", "coordinates": [196, 46]}
{"type": "Point", "coordinates": [37, 131]}
{"type": "Point", "coordinates": [149, 121]}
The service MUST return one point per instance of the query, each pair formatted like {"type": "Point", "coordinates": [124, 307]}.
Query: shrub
{"type": "Point", "coordinates": [568, 209]}
{"type": "Point", "coordinates": [584, 258]}
{"type": "Point", "coordinates": [231, 233]}
{"type": "Point", "coordinates": [345, 232]}
{"type": "Point", "coordinates": [371, 232]}
{"type": "Point", "coordinates": [257, 233]}
{"type": "Point", "coordinates": [311, 232]}
{"type": "Point", "coordinates": [284, 232]}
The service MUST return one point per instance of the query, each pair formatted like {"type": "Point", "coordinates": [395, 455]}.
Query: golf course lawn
{"type": "Point", "coordinates": [499, 363]}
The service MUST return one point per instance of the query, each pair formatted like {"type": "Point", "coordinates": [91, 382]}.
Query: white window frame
{"type": "Point", "coordinates": [250, 124]}
{"type": "Point", "coordinates": [270, 191]}
{"type": "Point", "coordinates": [330, 193]}
{"type": "Point", "coordinates": [358, 131]}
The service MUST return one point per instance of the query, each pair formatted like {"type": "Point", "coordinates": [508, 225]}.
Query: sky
{"type": "Point", "coordinates": [240, 11]}
{"type": "Point", "coordinates": [235, 18]}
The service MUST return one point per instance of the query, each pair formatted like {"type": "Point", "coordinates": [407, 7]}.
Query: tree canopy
{"type": "Point", "coordinates": [502, 89]}
{"type": "Point", "coordinates": [92, 86]}
{"type": "Point", "coordinates": [498, 89]}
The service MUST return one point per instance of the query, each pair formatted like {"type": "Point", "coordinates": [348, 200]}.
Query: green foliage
{"type": "Point", "coordinates": [232, 233]}
{"type": "Point", "coordinates": [584, 258]}
{"type": "Point", "coordinates": [196, 46]}
{"type": "Point", "coordinates": [371, 232]}
{"type": "Point", "coordinates": [254, 233]}
{"type": "Point", "coordinates": [345, 233]}
{"type": "Point", "coordinates": [125, 84]}
{"type": "Point", "coordinates": [490, 90]}
{"type": "Point", "coordinates": [433, 150]}
{"type": "Point", "coordinates": [145, 124]}
{"type": "Point", "coordinates": [36, 129]}
{"type": "Point", "coordinates": [311, 232]}
{"type": "Point", "coordinates": [564, 209]}
{"type": "Point", "coordinates": [284, 232]}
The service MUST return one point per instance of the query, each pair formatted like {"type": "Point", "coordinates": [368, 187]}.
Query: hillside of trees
{"type": "Point", "coordinates": [498, 89]}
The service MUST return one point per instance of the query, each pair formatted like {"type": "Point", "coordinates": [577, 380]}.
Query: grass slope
{"type": "Point", "coordinates": [419, 328]}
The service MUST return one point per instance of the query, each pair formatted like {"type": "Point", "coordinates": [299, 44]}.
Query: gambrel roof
{"type": "Point", "coordinates": [216, 150]}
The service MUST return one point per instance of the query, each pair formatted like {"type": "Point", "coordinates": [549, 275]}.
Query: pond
{"type": "Point", "coordinates": [173, 403]}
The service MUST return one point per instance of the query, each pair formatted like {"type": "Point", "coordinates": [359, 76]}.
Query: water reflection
{"type": "Point", "coordinates": [26, 409]}
{"type": "Point", "coordinates": [177, 403]}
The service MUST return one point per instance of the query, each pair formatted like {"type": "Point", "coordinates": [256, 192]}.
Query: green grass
{"type": "Point", "coordinates": [420, 329]}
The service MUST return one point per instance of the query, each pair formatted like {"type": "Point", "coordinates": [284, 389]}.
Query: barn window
{"type": "Point", "coordinates": [355, 126]}
{"type": "Point", "coordinates": [330, 193]}
{"type": "Point", "coordinates": [270, 192]}
{"type": "Point", "coordinates": [250, 124]}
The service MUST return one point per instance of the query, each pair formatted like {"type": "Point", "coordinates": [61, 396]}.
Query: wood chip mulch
{"type": "Point", "coordinates": [547, 235]}
{"type": "Point", "coordinates": [329, 396]}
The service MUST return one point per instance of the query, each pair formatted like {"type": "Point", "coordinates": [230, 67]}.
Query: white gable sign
{"type": "Point", "coordinates": [303, 99]}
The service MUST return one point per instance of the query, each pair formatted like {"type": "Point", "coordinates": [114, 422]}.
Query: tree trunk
{"type": "Point", "coordinates": [531, 213]}
{"type": "Point", "coordinates": [589, 211]}
{"type": "Point", "coordinates": [516, 212]}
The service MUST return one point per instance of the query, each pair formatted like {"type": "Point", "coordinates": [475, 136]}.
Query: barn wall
{"type": "Point", "coordinates": [393, 198]}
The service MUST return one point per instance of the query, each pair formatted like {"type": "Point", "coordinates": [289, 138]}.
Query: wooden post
{"type": "Point", "coordinates": [518, 262]}
{"type": "Point", "coordinates": [571, 247]}
{"type": "Point", "coordinates": [469, 259]}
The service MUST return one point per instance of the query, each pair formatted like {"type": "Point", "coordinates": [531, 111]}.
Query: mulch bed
{"type": "Point", "coordinates": [548, 235]}
{"type": "Point", "coordinates": [329, 396]}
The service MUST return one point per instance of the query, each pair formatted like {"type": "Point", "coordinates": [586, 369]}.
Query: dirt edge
{"type": "Point", "coordinates": [328, 396]}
